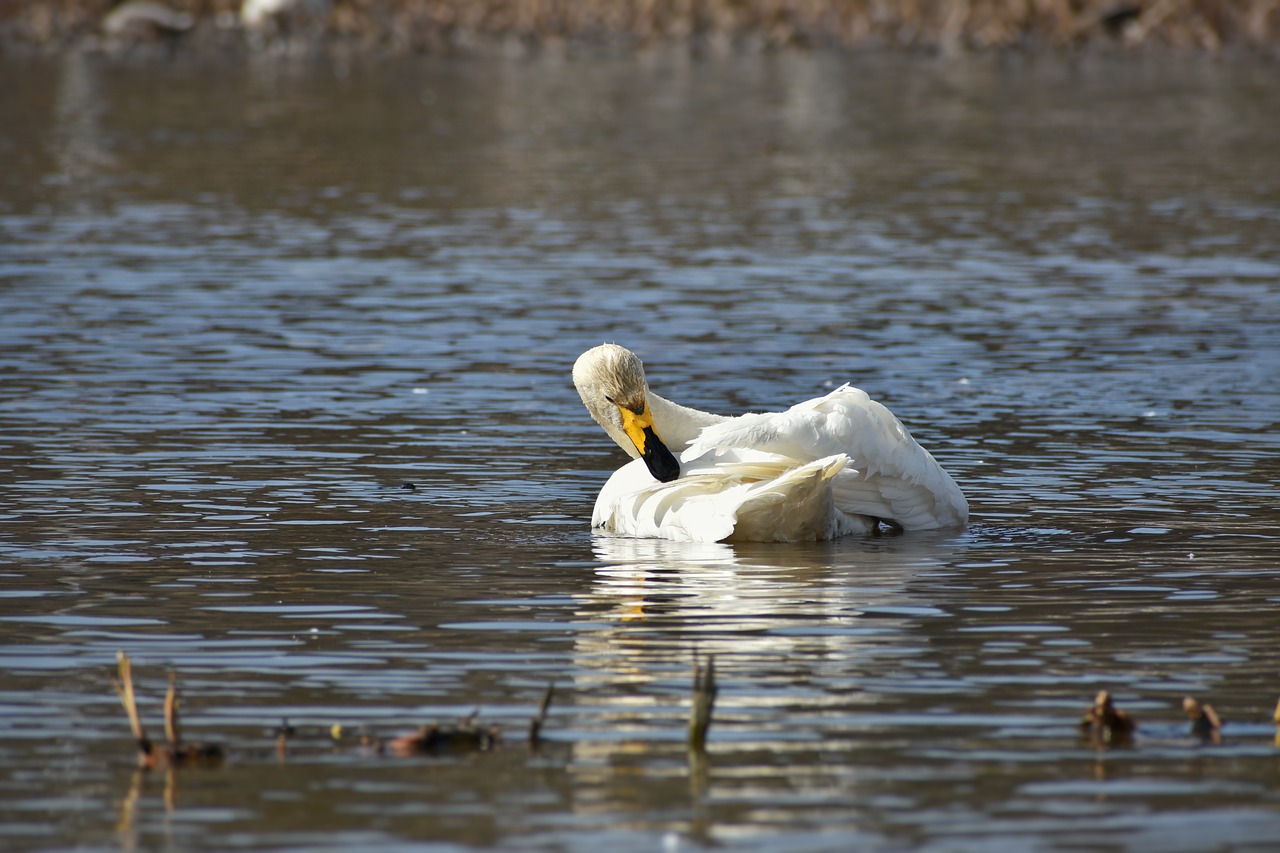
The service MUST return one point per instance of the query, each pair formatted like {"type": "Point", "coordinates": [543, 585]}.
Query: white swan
{"type": "Point", "coordinates": [824, 468]}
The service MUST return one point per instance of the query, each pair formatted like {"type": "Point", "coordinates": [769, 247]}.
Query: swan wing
{"type": "Point", "coordinates": [888, 474]}
{"type": "Point", "coordinates": [746, 495]}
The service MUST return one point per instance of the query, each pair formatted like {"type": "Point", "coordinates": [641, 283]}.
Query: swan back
{"type": "Point", "coordinates": [889, 475]}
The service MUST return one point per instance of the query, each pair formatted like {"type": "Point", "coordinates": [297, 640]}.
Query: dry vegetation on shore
{"type": "Point", "coordinates": [452, 26]}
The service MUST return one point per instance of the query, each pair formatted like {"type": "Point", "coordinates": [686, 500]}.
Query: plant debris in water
{"type": "Point", "coordinates": [175, 753]}
{"type": "Point", "coordinates": [1103, 725]}
{"type": "Point", "coordinates": [1205, 722]}
{"type": "Point", "coordinates": [436, 738]}
{"type": "Point", "coordinates": [1107, 725]}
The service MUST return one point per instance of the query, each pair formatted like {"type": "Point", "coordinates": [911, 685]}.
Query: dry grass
{"type": "Point", "coordinates": [946, 26]}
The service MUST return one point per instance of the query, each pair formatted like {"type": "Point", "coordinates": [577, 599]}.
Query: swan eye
{"type": "Point", "coordinates": [610, 399]}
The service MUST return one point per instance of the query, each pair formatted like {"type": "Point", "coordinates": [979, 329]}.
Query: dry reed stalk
{"type": "Point", "coordinates": [175, 753]}
{"type": "Point", "coordinates": [171, 730]}
{"type": "Point", "coordinates": [124, 689]}
{"type": "Point", "coordinates": [704, 701]}
{"type": "Point", "coordinates": [540, 718]}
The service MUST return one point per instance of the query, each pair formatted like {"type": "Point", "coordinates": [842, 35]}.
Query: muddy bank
{"type": "Point", "coordinates": [464, 26]}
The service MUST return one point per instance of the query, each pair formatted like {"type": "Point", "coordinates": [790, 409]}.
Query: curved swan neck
{"type": "Point", "coordinates": [678, 425]}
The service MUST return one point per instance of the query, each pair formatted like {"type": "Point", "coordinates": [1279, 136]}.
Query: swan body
{"type": "Point", "coordinates": [827, 467]}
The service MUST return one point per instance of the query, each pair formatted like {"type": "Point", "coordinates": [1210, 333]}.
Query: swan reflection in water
{"type": "Point", "coordinates": [785, 623]}
{"type": "Point", "coordinates": [711, 589]}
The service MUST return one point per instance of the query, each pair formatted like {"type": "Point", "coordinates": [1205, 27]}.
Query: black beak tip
{"type": "Point", "coordinates": [662, 464]}
{"type": "Point", "coordinates": [666, 469]}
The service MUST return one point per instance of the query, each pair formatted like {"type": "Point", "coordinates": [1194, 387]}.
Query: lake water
{"type": "Point", "coordinates": [286, 407]}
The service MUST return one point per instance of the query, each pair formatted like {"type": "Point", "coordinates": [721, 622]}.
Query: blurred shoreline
{"type": "Point", "coordinates": [519, 27]}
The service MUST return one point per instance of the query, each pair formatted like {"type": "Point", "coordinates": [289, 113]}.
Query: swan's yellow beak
{"type": "Point", "coordinates": [639, 428]}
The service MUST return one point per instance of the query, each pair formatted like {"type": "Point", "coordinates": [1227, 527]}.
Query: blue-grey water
{"type": "Point", "coordinates": [285, 407]}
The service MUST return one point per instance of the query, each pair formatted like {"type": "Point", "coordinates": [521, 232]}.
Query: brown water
{"type": "Point", "coordinates": [242, 307]}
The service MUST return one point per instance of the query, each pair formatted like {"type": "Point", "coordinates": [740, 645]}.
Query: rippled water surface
{"type": "Point", "coordinates": [286, 407]}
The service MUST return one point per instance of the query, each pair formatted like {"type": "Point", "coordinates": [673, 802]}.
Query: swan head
{"type": "Point", "coordinates": [610, 380]}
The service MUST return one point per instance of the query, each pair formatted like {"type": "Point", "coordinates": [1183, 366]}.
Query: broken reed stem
{"type": "Point", "coordinates": [171, 731]}
{"type": "Point", "coordinates": [124, 689]}
{"type": "Point", "coordinates": [535, 725]}
{"type": "Point", "coordinates": [704, 701]}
